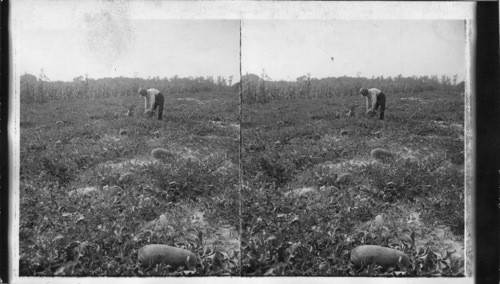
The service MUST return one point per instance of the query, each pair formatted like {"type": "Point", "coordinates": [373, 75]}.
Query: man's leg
{"type": "Point", "coordinates": [160, 112]}
{"type": "Point", "coordinates": [153, 109]}
{"type": "Point", "coordinates": [161, 102]}
{"type": "Point", "coordinates": [381, 102]}
{"type": "Point", "coordinates": [376, 106]}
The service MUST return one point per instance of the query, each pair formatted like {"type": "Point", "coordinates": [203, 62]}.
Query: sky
{"type": "Point", "coordinates": [287, 49]}
{"type": "Point", "coordinates": [103, 42]}
{"type": "Point", "coordinates": [119, 38]}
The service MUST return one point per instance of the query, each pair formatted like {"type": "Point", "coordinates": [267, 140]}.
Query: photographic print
{"type": "Point", "coordinates": [353, 147]}
{"type": "Point", "coordinates": [129, 143]}
{"type": "Point", "coordinates": [258, 140]}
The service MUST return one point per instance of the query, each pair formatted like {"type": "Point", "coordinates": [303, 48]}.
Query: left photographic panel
{"type": "Point", "coordinates": [129, 142]}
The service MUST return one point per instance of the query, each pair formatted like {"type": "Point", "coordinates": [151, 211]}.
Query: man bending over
{"type": "Point", "coordinates": [375, 99]}
{"type": "Point", "coordinates": [153, 99]}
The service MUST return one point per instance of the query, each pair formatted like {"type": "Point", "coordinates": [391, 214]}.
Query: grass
{"type": "Point", "coordinates": [298, 143]}
{"type": "Point", "coordinates": [111, 224]}
{"type": "Point", "coordinates": [192, 199]}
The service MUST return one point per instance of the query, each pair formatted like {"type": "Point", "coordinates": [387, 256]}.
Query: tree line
{"type": "Point", "coordinates": [254, 88]}
{"type": "Point", "coordinates": [41, 89]}
{"type": "Point", "coordinates": [262, 89]}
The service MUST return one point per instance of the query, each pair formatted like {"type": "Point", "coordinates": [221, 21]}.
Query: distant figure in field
{"type": "Point", "coordinates": [375, 99]}
{"type": "Point", "coordinates": [153, 99]}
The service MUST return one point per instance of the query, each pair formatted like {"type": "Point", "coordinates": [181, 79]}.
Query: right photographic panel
{"type": "Point", "coordinates": [354, 154]}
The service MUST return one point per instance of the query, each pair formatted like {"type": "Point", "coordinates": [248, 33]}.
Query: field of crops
{"type": "Point", "coordinates": [312, 191]}
{"type": "Point", "coordinates": [92, 194]}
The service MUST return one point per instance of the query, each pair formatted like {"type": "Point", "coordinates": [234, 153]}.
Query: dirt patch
{"type": "Point", "coordinates": [191, 100]}
{"type": "Point", "coordinates": [414, 99]}
{"type": "Point", "coordinates": [110, 138]}
{"type": "Point", "coordinates": [224, 236]}
{"type": "Point", "coordinates": [437, 137]}
{"type": "Point", "coordinates": [231, 125]}
{"type": "Point", "coordinates": [127, 165]}
{"type": "Point", "coordinates": [227, 167]}
{"type": "Point", "coordinates": [449, 165]}
{"type": "Point", "coordinates": [179, 151]}
{"type": "Point", "coordinates": [154, 143]}
{"type": "Point", "coordinates": [84, 191]}
{"type": "Point", "coordinates": [328, 138]}
{"type": "Point", "coordinates": [189, 154]}
{"type": "Point", "coordinates": [452, 125]}
{"type": "Point", "coordinates": [301, 191]}
{"type": "Point", "coordinates": [410, 154]}
{"type": "Point", "coordinates": [355, 162]}
{"type": "Point", "coordinates": [439, 239]}
{"type": "Point", "coordinates": [373, 143]}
